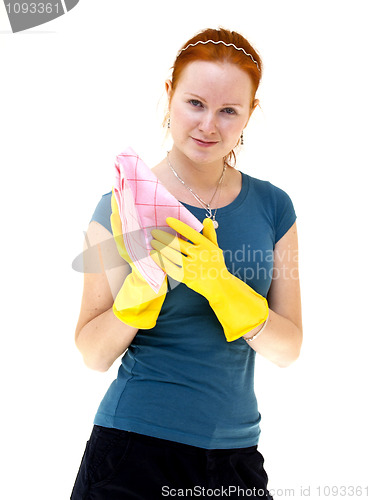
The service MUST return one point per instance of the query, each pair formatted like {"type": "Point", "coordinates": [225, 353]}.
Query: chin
{"type": "Point", "coordinates": [209, 155]}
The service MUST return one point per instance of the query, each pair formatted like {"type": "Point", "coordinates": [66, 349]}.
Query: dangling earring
{"type": "Point", "coordinates": [241, 139]}
{"type": "Point", "coordinates": [168, 123]}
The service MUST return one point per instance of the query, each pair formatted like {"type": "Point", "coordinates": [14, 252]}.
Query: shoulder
{"type": "Point", "coordinates": [102, 211]}
{"type": "Point", "coordinates": [265, 189]}
{"type": "Point", "coordinates": [105, 200]}
{"type": "Point", "coordinates": [275, 202]}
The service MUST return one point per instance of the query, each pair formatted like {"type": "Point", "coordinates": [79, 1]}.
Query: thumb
{"type": "Point", "coordinates": [209, 230]}
{"type": "Point", "coordinates": [114, 205]}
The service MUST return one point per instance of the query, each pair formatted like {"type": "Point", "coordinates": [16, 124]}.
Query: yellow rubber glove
{"type": "Point", "coordinates": [199, 263]}
{"type": "Point", "coordinates": [136, 303]}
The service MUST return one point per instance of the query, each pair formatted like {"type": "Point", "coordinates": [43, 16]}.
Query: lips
{"type": "Point", "coordinates": [204, 144]}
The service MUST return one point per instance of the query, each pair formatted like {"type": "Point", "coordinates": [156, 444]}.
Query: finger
{"type": "Point", "coordinates": [167, 266]}
{"type": "Point", "coordinates": [171, 240]}
{"type": "Point", "coordinates": [117, 230]}
{"type": "Point", "coordinates": [115, 217]}
{"type": "Point", "coordinates": [116, 224]}
{"type": "Point", "coordinates": [158, 259]}
{"type": "Point", "coordinates": [166, 251]}
{"type": "Point", "coordinates": [209, 230]}
{"type": "Point", "coordinates": [188, 232]}
{"type": "Point", "coordinates": [118, 237]}
{"type": "Point", "coordinates": [114, 205]}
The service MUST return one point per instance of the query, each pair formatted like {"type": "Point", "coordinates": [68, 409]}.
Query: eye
{"type": "Point", "coordinates": [195, 103]}
{"type": "Point", "coordinates": [229, 111]}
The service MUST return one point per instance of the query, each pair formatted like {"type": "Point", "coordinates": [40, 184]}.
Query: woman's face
{"type": "Point", "coordinates": [209, 110]}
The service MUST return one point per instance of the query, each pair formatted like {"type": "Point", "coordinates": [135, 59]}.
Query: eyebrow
{"type": "Point", "coordinates": [202, 99]}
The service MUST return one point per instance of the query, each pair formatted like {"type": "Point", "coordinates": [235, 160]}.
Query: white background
{"type": "Point", "coordinates": [75, 92]}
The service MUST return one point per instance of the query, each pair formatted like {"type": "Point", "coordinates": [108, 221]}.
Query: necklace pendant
{"type": "Point", "coordinates": [212, 217]}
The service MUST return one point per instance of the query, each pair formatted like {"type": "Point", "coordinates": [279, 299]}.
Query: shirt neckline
{"type": "Point", "coordinates": [231, 206]}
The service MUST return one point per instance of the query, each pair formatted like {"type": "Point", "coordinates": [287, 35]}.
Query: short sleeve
{"type": "Point", "coordinates": [285, 215]}
{"type": "Point", "coordinates": [102, 212]}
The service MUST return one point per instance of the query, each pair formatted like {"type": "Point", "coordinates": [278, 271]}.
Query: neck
{"type": "Point", "coordinates": [198, 175]}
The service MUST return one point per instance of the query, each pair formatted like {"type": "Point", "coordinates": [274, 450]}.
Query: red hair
{"type": "Point", "coordinates": [219, 53]}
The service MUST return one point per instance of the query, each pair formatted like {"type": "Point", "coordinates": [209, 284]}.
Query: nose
{"type": "Point", "coordinates": [207, 123]}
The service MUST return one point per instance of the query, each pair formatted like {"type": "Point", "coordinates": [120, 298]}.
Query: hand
{"type": "Point", "coordinates": [199, 264]}
{"type": "Point", "coordinates": [196, 262]}
{"type": "Point", "coordinates": [136, 303]}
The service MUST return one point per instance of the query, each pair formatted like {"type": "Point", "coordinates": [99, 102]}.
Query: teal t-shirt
{"type": "Point", "coordinates": [181, 380]}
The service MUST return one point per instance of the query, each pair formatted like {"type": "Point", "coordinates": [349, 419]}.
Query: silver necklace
{"type": "Point", "coordinates": [206, 206]}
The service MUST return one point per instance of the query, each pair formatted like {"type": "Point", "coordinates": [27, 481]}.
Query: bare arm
{"type": "Point", "coordinates": [281, 340]}
{"type": "Point", "coordinates": [100, 336]}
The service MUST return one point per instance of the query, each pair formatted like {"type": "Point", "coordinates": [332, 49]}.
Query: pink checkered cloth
{"type": "Point", "coordinates": [144, 204]}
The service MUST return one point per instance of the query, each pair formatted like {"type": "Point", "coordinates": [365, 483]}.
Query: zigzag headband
{"type": "Point", "coordinates": [224, 43]}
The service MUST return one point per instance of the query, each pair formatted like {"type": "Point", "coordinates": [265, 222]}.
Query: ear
{"type": "Point", "coordinates": [255, 103]}
{"type": "Point", "coordinates": [168, 89]}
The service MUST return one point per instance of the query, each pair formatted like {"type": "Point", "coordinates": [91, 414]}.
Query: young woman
{"type": "Point", "coordinates": [181, 418]}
